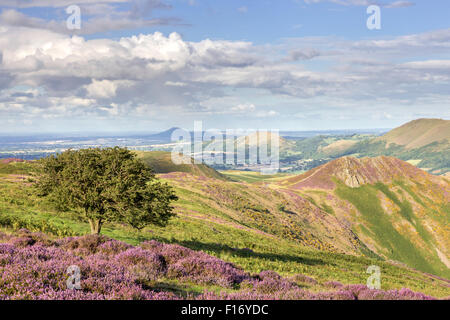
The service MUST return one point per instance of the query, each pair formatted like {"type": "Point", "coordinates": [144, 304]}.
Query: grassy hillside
{"type": "Point", "coordinates": [250, 226]}
{"type": "Point", "coordinates": [397, 210]}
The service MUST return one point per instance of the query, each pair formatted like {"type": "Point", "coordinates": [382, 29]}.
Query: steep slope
{"type": "Point", "coordinates": [399, 211]}
{"type": "Point", "coordinates": [161, 162]}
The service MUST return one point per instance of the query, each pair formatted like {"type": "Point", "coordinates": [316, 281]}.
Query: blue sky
{"type": "Point", "coordinates": [146, 65]}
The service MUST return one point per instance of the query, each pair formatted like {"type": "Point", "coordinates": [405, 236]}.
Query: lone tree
{"type": "Point", "coordinates": [106, 185]}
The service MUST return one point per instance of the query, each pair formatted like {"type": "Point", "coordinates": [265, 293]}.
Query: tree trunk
{"type": "Point", "coordinates": [96, 226]}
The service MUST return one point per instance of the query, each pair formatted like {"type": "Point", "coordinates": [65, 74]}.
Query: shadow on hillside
{"type": "Point", "coordinates": [244, 252]}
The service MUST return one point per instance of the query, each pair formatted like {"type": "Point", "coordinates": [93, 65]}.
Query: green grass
{"type": "Point", "coordinates": [406, 211]}
{"type": "Point", "coordinates": [325, 207]}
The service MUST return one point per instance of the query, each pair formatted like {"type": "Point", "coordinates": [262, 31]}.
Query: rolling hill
{"type": "Point", "coordinates": [260, 138]}
{"type": "Point", "coordinates": [398, 211]}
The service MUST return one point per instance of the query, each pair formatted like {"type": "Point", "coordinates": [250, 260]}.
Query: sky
{"type": "Point", "coordinates": [148, 65]}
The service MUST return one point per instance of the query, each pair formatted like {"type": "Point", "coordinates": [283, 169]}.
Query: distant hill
{"type": "Point", "coordinates": [161, 162]}
{"type": "Point", "coordinates": [256, 139]}
{"type": "Point", "coordinates": [164, 136]}
{"type": "Point", "coordinates": [399, 211]}
{"type": "Point", "coordinates": [260, 138]}
{"type": "Point", "coordinates": [418, 133]}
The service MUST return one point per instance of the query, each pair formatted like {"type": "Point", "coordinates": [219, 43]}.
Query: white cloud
{"type": "Point", "coordinates": [149, 74]}
{"type": "Point", "coordinates": [101, 89]}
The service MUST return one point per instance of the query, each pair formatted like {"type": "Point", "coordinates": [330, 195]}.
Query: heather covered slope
{"type": "Point", "coordinates": [397, 210]}
{"type": "Point", "coordinates": [35, 267]}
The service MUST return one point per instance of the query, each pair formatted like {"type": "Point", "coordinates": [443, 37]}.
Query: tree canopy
{"type": "Point", "coordinates": [108, 185]}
